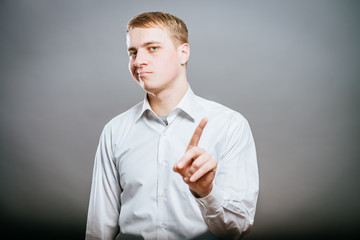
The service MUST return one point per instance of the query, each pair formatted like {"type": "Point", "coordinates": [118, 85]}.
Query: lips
{"type": "Point", "coordinates": [144, 74]}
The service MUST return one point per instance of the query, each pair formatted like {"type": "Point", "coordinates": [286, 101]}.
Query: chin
{"type": "Point", "coordinates": [150, 86]}
{"type": "Point", "coordinates": [151, 89]}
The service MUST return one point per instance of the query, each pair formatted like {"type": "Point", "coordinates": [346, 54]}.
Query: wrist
{"type": "Point", "coordinates": [201, 194]}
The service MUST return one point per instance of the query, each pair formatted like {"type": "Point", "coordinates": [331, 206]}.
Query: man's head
{"type": "Point", "coordinates": [175, 27]}
{"type": "Point", "coordinates": [158, 51]}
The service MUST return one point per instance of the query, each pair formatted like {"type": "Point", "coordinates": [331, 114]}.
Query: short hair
{"type": "Point", "coordinates": [174, 25]}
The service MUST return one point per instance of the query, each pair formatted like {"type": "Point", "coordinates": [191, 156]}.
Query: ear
{"type": "Point", "coordinates": [184, 51]}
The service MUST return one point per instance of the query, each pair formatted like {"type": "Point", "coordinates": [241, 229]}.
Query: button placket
{"type": "Point", "coordinates": [163, 173]}
{"type": "Point", "coordinates": [162, 194]}
{"type": "Point", "coordinates": [163, 225]}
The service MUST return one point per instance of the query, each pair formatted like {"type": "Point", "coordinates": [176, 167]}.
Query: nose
{"type": "Point", "coordinates": [141, 59]}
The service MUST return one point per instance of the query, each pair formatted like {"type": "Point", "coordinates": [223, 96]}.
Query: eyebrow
{"type": "Point", "coordinates": [143, 45]}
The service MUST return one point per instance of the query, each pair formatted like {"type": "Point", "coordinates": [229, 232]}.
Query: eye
{"type": "Point", "coordinates": [153, 49]}
{"type": "Point", "coordinates": [132, 54]}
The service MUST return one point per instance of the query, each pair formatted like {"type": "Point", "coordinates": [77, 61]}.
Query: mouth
{"type": "Point", "coordinates": [143, 74]}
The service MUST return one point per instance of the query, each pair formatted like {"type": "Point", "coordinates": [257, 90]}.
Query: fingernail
{"type": "Point", "coordinates": [180, 165]}
{"type": "Point", "coordinates": [186, 179]}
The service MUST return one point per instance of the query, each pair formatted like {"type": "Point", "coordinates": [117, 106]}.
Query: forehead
{"type": "Point", "coordinates": [138, 36]}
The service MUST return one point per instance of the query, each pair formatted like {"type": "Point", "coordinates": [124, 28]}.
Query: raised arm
{"type": "Point", "coordinates": [226, 189]}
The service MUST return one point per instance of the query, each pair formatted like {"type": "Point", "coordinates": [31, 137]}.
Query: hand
{"type": "Point", "coordinates": [196, 166]}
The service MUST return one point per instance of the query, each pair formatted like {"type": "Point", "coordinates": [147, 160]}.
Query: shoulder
{"type": "Point", "coordinates": [220, 112]}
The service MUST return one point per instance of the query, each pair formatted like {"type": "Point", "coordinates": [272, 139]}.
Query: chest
{"type": "Point", "coordinates": [146, 155]}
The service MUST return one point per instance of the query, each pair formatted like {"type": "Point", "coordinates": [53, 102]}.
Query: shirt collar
{"type": "Point", "coordinates": [145, 107]}
{"type": "Point", "coordinates": [188, 104]}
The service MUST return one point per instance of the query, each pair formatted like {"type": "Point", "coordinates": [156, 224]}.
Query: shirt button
{"type": "Point", "coordinates": [163, 134]}
{"type": "Point", "coordinates": [163, 225]}
{"type": "Point", "coordinates": [163, 163]}
{"type": "Point", "coordinates": [162, 194]}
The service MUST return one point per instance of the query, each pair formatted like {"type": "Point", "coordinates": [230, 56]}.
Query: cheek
{"type": "Point", "coordinates": [171, 65]}
{"type": "Point", "coordinates": [173, 70]}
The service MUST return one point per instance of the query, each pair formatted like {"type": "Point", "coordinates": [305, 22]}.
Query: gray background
{"type": "Point", "coordinates": [290, 67]}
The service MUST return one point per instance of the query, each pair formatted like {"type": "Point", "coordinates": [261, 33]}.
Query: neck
{"type": "Point", "coordinates": [165, 101]}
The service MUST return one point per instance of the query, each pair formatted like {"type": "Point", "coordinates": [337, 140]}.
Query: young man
{"type": "Point", "coordinates": [174, 166]}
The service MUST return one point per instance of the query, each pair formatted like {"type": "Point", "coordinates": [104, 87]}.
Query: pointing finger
{"type": "Point", "coordinates": [197, 134]}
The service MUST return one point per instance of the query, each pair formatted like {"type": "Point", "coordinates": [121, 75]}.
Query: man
{"type": "Point", "coordinates": [174, 166]}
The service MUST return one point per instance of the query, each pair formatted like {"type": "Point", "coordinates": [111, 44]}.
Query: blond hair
{"type": "Point", "coordinates": [173, 25]}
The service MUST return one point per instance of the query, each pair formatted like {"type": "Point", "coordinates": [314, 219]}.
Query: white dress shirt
{"type": "Point", "coordinates": [134, 189]}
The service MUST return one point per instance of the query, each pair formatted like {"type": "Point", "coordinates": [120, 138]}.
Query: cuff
{"type": "Point", "coordinates": [212, 201]}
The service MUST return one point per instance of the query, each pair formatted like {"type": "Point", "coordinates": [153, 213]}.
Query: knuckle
{"type": "Point", "coordinates": [196, 150]}
{"type": "Point", "coordinates": [196, 164]}
{"type": "Point", "coordinates": [201, 150]}
{"type": "Point", "coordinates": [188, 154]}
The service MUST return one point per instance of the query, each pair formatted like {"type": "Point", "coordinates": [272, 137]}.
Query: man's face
{"type": "Point", "coordinates": [154, 61]}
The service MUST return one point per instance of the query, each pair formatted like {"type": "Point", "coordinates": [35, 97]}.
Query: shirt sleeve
{"type": "Point", "coordinates": [104, 203]}
{"type": "Point", "coordinates": [229, 209]}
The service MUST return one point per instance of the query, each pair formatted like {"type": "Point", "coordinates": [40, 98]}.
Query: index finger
{"type": "Point", "coordinates": [197, 134]}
